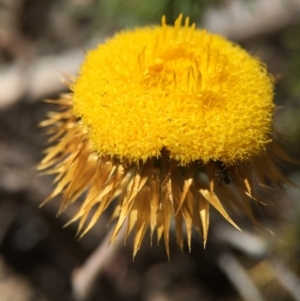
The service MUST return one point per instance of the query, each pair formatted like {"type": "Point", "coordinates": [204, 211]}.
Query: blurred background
{"type": "Point", "coordinates": [40, 41]}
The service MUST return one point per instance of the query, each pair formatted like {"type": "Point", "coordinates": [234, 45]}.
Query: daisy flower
{"type": "Point", "coordinates": [164, 123]}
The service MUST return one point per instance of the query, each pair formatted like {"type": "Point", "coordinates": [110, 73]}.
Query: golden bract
{"type": "Point", "coordinates": [163, 123]}
{"type": "Point", "coordinates": [194, 93]}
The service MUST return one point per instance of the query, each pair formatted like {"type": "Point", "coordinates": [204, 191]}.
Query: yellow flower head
{"type": "Point", "coordinates": [165, 121]}
{"type": "Point", "coordinates": [193, 93]}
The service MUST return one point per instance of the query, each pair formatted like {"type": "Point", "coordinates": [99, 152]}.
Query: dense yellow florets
{"type": "Point", "coordinates": [193, 93]}
{"type": "Point", "coordinates": [164, 123]}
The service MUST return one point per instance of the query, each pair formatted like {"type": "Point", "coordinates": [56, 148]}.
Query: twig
{"type": "Point", "coordinates": [84, 277]}
{"type": "Point", "coordinates": [287, 278]}
{"type": "Point", "coordinates": [239, 278]}
{"type": "Point", "coordinates": [249, 243]}
{"type": "Point", "coordinates": [240, 20]}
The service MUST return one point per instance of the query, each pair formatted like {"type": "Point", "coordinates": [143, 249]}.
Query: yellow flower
{"type": "Point", "coordinates": [164, 122]}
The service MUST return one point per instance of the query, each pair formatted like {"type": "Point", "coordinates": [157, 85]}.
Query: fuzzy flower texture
{"type": "Point", "coordinates": [163, 123]}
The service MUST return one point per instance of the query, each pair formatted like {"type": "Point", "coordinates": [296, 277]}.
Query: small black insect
{"type": "Point", "coordinates": [222, 173]}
